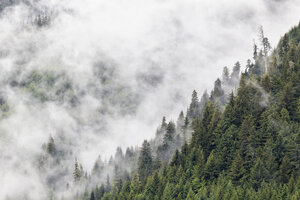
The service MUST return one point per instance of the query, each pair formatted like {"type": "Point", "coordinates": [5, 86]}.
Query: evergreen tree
{"type": "Point", "coordinates": [212, 166]}
{"type": "Point", "coordinates": [218, 93]}
{"type": "Point", "coordinates": [225, 75]}
{"type": "Point", "coordinates": [152, 186]}
{"type": "Point", "coordinates": [264, 42]}
{"type": "Point", "coordinates": [234, 77]}
{"type": "Point", "coordinates": [203, 101]}
{"type": "Point", "coordinates": [285, 170]}
{"type": "Point", "coordinates": [227, 147]}
{"type": "Point", "coordinates": [176, 159]}
{"type": "Point", "coordinates": [258, 173]}
{"type": "Point", "coordinates": [107, 186]}
{"type": "Point", "coordinates": [237, 170]}
{"type": "Point", "coordinates": [99, 192]}
{"type": "Point", "coordinates": [77, 172]}
{"type": "Point", "coordinates": [247, 141]}
{"type": "Point", "coordinates": [284, 45]}
{"type": "Point", "coordinates": [186, 125]}
{"type": "Point", "coordinates": [168, 192]}
{"type": "Point", "coordinates": [254, 51]}
{"type": "Point", "coordinates": [191, 195]}
{"type": "Point", "coordinates": [119, 156]}
{"type": "Point", "coordinates": [163, 123]}
{"type": "Point", "coordinates": [193, 110]}
{"type": "Point", "coordinates": [145, 161]}
{"type": "Point", "coordinates": [169, 136]}
{"type": "Point", "coordinates": [180, 121]}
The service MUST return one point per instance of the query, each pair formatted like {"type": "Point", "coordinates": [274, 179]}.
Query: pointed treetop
{"type": "Point", "coordinates": [163, 123]}
{"type": "Point", "coordinates": [225, 75]}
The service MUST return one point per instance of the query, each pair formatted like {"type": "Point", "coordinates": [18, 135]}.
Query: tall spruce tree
{"type": "Point", "coordinates": [193, 110]}
{"type": "Point", "coordinates": [145, 161]}
{"type": "Point", "coordinates": [77, 172]}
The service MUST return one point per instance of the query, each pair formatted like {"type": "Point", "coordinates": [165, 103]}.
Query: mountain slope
{"type": "Point", "coordinates": [251, 150]}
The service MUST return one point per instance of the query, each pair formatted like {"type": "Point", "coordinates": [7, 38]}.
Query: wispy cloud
{"type": "Point", "coordinates": [118, 67]}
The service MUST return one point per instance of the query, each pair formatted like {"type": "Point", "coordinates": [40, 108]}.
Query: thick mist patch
{"type": "Point", "coordinates": [100, 74]}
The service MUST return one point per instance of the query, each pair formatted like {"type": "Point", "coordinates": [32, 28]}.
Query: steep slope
{"type": "Point", "coordinates": [251, 150]}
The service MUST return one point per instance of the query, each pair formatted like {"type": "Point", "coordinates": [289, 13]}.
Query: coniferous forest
{"type": "Point", "coordinates": [241, 145]}
{"type": "Point", "coordinates": [130, 100]}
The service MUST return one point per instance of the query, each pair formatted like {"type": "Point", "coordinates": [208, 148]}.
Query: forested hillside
{"type": "Point", "coordinates": [242, 144]}
{"type": "Point", "coordinates": [149, 100]}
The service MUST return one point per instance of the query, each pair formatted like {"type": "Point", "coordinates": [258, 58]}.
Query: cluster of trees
{"type": "Point", "coordinates": [248, 150]}
{"type": "Point", "coordinates": [170, 136]}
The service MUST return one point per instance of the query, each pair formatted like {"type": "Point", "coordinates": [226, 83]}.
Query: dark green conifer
{"type": "Point", "coordinates": [145, 161]}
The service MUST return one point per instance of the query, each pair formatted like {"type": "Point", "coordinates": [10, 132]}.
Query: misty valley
{"type": "Point", "coordinates": [124, 100]}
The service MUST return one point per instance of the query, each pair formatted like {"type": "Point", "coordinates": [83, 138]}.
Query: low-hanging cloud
{"type": "Point", "coordinates": [100, 74]}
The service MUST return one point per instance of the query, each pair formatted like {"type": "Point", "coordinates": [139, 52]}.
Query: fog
{"type": "Point", "coordinates": [109, 70]}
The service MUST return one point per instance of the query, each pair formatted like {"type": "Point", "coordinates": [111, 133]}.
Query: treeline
{"type": "Point", "coordinates": [248, 150]}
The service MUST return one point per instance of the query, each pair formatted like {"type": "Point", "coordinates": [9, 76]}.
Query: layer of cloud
{"type": "Point", "coordinates": [128, 63]}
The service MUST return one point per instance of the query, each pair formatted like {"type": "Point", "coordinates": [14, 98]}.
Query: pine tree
{"type": "Point", "coordinates": [249, 67]}
{"type": "Point", "coordinates": [152, 186]}
{"type": "Point", "coordinates": [193, 110]}
{"type": "Point", "coordinates": [203, 101]}
{"type": "Point", "coordinates": [218, 92]}
{"type": "Point", "coordinates": [237, 170]}
{"type": "Point", "coordinates": [119, 156]}
{"type": "Point", "coordinates": [212, 166]}
{"type": "Point", "coordinates": [235, 74]}
{"type": "Point", "coordinates": [99, 192]}
{"type": "Point", "coordinates": [180, 121]}
{"type": "Point", "coordinates": [191, 195]}
{"type": "Point", "coordinates": [161, 130]}
{"type": "Point", "coordinates": [77, 173]}
{"type": "Point", "coordinates": [200, 165]}
{"type": "Point", "coordinates": [229, 114]}
{"type": "Point", "coordinates": [168, 192]}
{"type": "Point", "coordinates": [270, 162]}
{"type": "Point", "coordinates": [266, 83]}
{"type": "Point", "coordinates": [227, 147]}
{"type": "Point", "coordinates": [284, 46]}
{"type": "Point", "coordinates": [145, 161]}
{"type": "Point", "coordinates": [163, 123]}
{"type": "Point", "coordinates": [225, 75]}
{"type": "Point", "coordinates": [170, 133]}
{"type": "Point", "coordinates": [247, 140]}
{"type": "Point", "coordinates": [258, 173]}
{"type": "Point", "coordinates": [264, 42]}
{"type": "Point", "coordinates": [285, 170]}
{"type": "Point", "coordinates": [176, 159]}
{"type": "Point", "coordinates": [186, 125]}
{"type": "Point", "coordinates": [107, 186]}
{"type": "Point", "coordinates": [129, 154]}
{"type": "Point", "coordinates": [254, 51]}
{"type": "Point", "coordinates": [125, 192]}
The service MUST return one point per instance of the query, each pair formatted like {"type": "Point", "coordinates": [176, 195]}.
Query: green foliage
{"type": "Point", "coordinates": [77, 174]}
{"type": "Point", "coordinates": [170, 133]}
{"type": "Point", "coordinates": [193, 111]}
{"type": "Point", "coordinates": [145, 161]}
{"type": "Point", "coordinates": [47, 85]}
{"type": "Point", "coordinates": [248, 151]}
{"type": "Point", "coordinates": [237, 170]}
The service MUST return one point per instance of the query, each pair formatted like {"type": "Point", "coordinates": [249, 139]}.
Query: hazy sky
{"type": "Point", "coordinates": [158, 50]}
